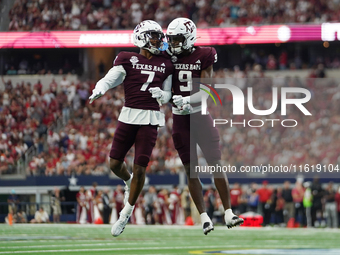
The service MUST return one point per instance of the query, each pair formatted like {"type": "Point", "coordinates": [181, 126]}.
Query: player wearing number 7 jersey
{"type": "Point", "coordinates": [147, 84]}
{"type": "Point", "coordinates": [195, 62]}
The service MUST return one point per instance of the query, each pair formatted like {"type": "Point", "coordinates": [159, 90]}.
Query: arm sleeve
{"type": "Point", "coordinates": [167, 84]}
{"type": "Point", "coordinates": [197, 97]}
{"type": "Point", "coordinates": [113, 78]}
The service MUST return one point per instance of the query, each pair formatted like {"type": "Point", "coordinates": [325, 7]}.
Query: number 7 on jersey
{"type": "Point", "coordinates": [149, 80]}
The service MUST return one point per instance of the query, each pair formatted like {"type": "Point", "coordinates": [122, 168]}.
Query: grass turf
{"type": "Point", "coordinates": [96, 239]}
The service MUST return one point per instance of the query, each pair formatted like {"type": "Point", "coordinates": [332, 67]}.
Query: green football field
{"type": "Point", "coordinates": [96, 239]}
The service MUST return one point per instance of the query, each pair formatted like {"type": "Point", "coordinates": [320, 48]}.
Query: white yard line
{"type": "Point", "coordinates": [70, 245]}
{"type": "Point", "coordinates": [117, 249]}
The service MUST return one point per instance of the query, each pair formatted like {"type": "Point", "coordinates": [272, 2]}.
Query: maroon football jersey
{"type": "Point", "coordinates": [189, 67]}
{"type": "Point", "coordinates": [141, 74]}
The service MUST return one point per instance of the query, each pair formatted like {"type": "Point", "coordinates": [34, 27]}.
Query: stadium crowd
{"type": "Point", "coordinates": [27, 111]}
{"type": "Point", "coordinates": [292, 205]}
{"type": "Point", "coordinates": [42, 15]}
{"type": "Point", "coordinates": [25, 114]}
{"type": "Point", "coordinates": [83, 144]}
{"type": "Point", "coordinates": [314, 140]}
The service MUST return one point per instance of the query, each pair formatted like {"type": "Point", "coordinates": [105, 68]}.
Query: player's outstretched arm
{"type": "Point", "coordinates": [113, 78]}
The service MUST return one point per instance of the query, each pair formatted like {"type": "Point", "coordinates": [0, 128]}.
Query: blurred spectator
{"type": "Point", "coordinates": [106, 206]}
{"type": "Point", "coordinates": [265, 200]}
{"type": "Point", "coordinates": [162, 208]}
{"type": "Point", "coordinates": [71, 92]}
{"type": "Point", "coordinates": [318, 194]}
{"type": "Point", "coordinates": [271, 62]}
{"type": "Point", "coordinates": [21, 217]}
{"type": "Point", "coordinates": [331, 206]}
{"type": "Point", "coordinates": [41, 216]}
{"type": "Point", "coordinates": [277, 206]}
{"type": "Point", "coordinates": [253, 198]}
{"type": "Point", "coordinates": [210, 201]}
{"type": "Point", "coordinates": [320, 73]}
{"type": "Point", "coordinates": [91, 196]}
{"type": "Point", "coordinates": [81, 206]}
{"type": "Point", "coordinates": [118, 197]}
{"type": "Point", "coordinates": [98, 205]}
{"type": "Point", "coordinates": [150, 198]}
{"type": "Point", "coordinates": [235, 197]}
{"type": "Point", "coordinates": [337, 199]}
{"type": "Point", "coordinates": [283, 60]}
{"type": "Point", "coordinates": [54, 87]}
{"type": "Point", "coordinates": [308, 203]}
{"type": "Point", "coordinates": [175, 206]}
{"type": "Point", "coordinates": [11, 71]}
{"type": "Point", "coordinates": [83, 95]}
{"type": "Point", "coordinates": [13, 201]}
{"type": "Point", "coordinates": [38, 87]}
{"type": "Point", "coordinates": [289, 207]}
{"type": "Point", "coordinates": [298, 194]}
{"type": "Point", "coordinates": [23, 66]}
{"type": "Point", "coordinates": [64, 84]}
{"type": "Point", "coordinates": [185, 202]}
{"type": "Point", "coordinates": [243, 201]}
{"type": "Point", "coordinates": [56, 199]}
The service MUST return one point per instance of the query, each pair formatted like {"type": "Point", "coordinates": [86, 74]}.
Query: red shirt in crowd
{"type": "Point", "coordinates": [264, 194]}
{"type": "Point", "coordinates": [234, 196]}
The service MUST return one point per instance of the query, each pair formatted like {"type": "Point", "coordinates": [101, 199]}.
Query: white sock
{"type": "Point", "coordinates": [205, 218]}
{"type": "Point", "coordinates": [128, 182]}
{"type": "Point", "coordinates": [127, 210]}
{"type": "Point", "coordinates": [229, 213]}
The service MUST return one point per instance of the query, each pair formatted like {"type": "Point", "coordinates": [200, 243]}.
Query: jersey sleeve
{"type": "Point", "coordinates": [121, 59]}
{"type": "Point", "coordinates": [210, 58]}
{"type": "Point", "coordinates": [170, 68]}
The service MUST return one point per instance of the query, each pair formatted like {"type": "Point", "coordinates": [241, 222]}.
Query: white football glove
{"type": "Point", "coordinates": [156, 92]}
{"type": "Point", "coordinates": [179, 101]}
{"type": "Point", "coordinates": [95, 95]}
{"type": "Point", "coordinates": [186, 109]}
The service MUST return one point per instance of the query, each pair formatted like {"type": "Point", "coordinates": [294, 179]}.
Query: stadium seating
{"type": "Point", "coordinates": [28, 15]}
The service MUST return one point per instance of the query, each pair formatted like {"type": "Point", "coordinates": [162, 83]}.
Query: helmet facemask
{"type": "Point", "coordinates": [155, 42]}
{"type": "Point", "coordinates": [149, 35]}
{"type": "Point", "coordinates": [181, 34]}
{"type": "Point", "coordinates": [176, 43]}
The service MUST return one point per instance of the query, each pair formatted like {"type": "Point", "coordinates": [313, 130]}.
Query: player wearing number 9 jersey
{"type": "Point", "coordinates": [147, 84]}
{"type": "Point", "coordinates": [192, 62]}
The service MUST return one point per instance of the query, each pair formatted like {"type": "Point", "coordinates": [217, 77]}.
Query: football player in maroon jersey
{"type": "Point", "coordinates": [195, 62]}
{"type": "Point", "coordinates": [142, 74]}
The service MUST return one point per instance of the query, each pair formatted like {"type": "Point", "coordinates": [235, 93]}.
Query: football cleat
{"type": "Point", "coordinates": [120, 224]}
{"type": "Point", "coordinates": [234, 221]}
{"type": "Point", "coordinates": [127, 192]}
{"type": "Point", "coordinates": [207, 227]}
